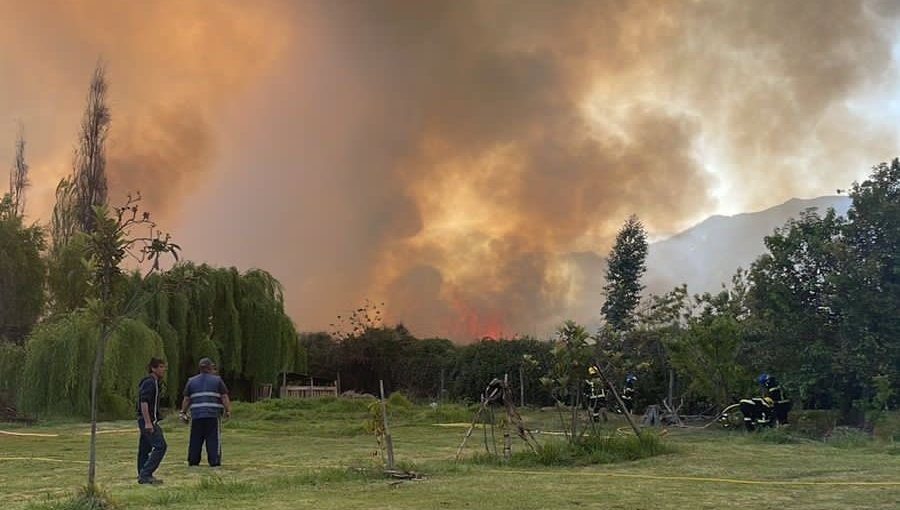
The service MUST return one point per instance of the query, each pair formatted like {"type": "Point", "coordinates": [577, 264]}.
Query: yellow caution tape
{"type": "Point", "coordinates": [30, 434]}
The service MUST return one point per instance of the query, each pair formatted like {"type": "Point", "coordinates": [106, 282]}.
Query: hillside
{"type": "Point", "coordinates": [707, 254]}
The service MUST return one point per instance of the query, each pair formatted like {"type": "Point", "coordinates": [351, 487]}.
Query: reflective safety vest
{"type": "Point", "coordinates": [205, 391]}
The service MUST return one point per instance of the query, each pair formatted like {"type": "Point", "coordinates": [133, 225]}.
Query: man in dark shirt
{"type": "Point", "coordinates": [152, 444]}
{"type": "Point", "coordinates": [206, 395]}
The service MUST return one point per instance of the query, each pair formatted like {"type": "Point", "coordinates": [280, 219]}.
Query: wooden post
{"type": "Point", "coordinates": [388, 442]}
{"type": "Point", "coordinates": [337, 384]}
{"type": "Point", "coordinates": [507, 441]}
{"type": "Point", "coordinates": [521, 386]}
{"type": "Point", "coordinates": [671, 387]}
{"type": "Point", "coordinates": [471, 428]}
{"type": "Point", "coordinates": [441, 395]}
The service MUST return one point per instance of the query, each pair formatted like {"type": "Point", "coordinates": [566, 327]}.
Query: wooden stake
{"type": "Point", "coordinates": [471, 427]}
{"type": "Point", "coordinates": [521, 387]}
{"type": "Point", "coordinates": [388, 442]}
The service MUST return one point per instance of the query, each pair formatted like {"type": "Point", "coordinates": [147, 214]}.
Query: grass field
{"type": "Point", "coordinates": [318, 455]}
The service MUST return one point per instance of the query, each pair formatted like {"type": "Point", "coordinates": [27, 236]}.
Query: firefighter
{"type": "Point", "coordinates": [628, 392]}
{"type": "Point", "coordinates": [773, 391]}
{"type": "Point", "coordinates": [596, 395]}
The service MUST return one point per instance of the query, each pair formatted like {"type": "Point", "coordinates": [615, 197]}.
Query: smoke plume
{"type": "Point", "coordinates": [467, 163]}
{"type": "Point", "coordinates": [172, 67]}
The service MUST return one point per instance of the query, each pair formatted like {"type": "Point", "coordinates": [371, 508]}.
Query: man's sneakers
{"type": "Point", "coordinates": [150, 481]}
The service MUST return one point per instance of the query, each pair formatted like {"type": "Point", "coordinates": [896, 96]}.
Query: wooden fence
{"type": "Point", "coordinates": [309, 391]}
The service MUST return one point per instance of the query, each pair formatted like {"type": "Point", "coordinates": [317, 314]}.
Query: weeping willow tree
{"type": "Point", "coordinates": [237, 319]}
{"type": "Point", "coordinates": [56, 375]}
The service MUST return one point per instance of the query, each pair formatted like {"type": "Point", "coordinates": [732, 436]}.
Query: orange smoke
{"type": "Point", "coordinates": [466, 162]}
{"type": "Point", "coordinates": [173, 68]}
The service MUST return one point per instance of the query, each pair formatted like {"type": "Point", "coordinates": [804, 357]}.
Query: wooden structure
{"type": "Point", "coordinates": [499, 394]}
{"type": "Point", "coordinates": [294, 389]}
{"type": "Point", "coordinates": [263, 392]}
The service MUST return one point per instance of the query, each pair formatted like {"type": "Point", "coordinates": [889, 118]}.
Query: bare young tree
{"type": "Point", "coordinates": [113, 240]}
{"type": "Point", "coordinates": [18, 175]}
{"type": "Point", "coordinates": [89, 167]}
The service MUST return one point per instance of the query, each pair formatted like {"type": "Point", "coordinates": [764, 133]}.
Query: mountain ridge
{"type": "Point", "coordinates": [706, 255]}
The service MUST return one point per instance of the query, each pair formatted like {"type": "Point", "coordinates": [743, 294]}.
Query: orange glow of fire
{"type": "Point", "coordinates": [473, 324]}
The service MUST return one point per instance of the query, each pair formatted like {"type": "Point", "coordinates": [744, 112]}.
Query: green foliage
{"type": "Point", "coordinates": [68, 275]}
{"type": "Point", "coordinates": [573, 352]}
{"type": "Point", "coordinates": [625, 267]}
{"type": "Point", "coordinates": [822, 297]}
{"type": "Point", "coordinates": [708, 354]}
{"type": "Point", "coordinates": [793, 295]}
{"type": "Point", "coordinates": [848, 437]}
{"type": "Point", "coordinates": [572, 355]}
{"type": "Point", "coordinates": [266, 328]}
{"type": "Point", "coordinates": [60, 354]}
{"type": "Point", "coordinates": [21, 273]}
{"type": "Point", "coordinates": [63, 222]}
{"type": "Point", "coordinates": [887, 426]}
{"type": "Point", "coordinates": [814, 423]}
{"type": "Point", "coordinates": [85, 499]}
{"type": "Point", "coordinates": [779, 435]}
{"type": "Point", "coordinates": [398, 401]}
{"type": "Point", "coordinates": [236, 319]}
{"type": "Point", "coordinates": [478, 363]}
{"type": "Point", "coordinates": [585, 450]}
{"type": "Point", "coordinates": [421, 364]}
{"type": "Point", "coordinates": [884, 392]}
{"type": "Point", "coordinates": [12, 361]}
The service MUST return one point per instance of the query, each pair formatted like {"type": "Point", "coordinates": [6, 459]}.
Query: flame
{"type": "Point", "coordinates": [472, 323]}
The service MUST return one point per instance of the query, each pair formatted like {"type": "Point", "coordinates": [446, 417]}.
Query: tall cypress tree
{"type": "Point", "coordinates": [625, 267]}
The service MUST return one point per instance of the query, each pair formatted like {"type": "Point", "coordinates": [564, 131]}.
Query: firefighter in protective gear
{"type": "Point", "coordinates": [772, 390]}
{"type": "Point", "coordinates": [596, 395]}
{"type": "Point", "coordinates": [628, 392]}
{"type": "Point", "coordinates": [769, 410]}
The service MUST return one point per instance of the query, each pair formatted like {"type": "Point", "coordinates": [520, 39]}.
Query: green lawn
{"type": "Point", "coordinates": [321, 457]}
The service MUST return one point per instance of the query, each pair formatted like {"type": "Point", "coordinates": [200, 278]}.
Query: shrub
{"type": "Point", "coordinates": [397, 401]}
{"type": "Point", "coordinates": [592, 449]}
{"type": "Point", "coordinates": [814, 423]}
{"type": "Point", "coordinates": [12, 359]}
{"type": "Point", "coordinates": [848, 437]}
{"type": "Point", "coordinates": [83, 500]}
{"type": "Point", "coordinates": [887, 426]}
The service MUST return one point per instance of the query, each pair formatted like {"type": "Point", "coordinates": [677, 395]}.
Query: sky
{"type": "Point", "coordinates": [466, 163]}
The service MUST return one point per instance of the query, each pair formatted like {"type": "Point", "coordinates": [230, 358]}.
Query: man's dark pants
{"type": "Point", "coordinates": [204, 430]}
{"type": "Point", "coordinates": [151, 450]}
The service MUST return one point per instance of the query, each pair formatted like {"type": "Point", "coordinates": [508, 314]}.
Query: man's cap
{"type": "Point", "coordinates": [206, 363]}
